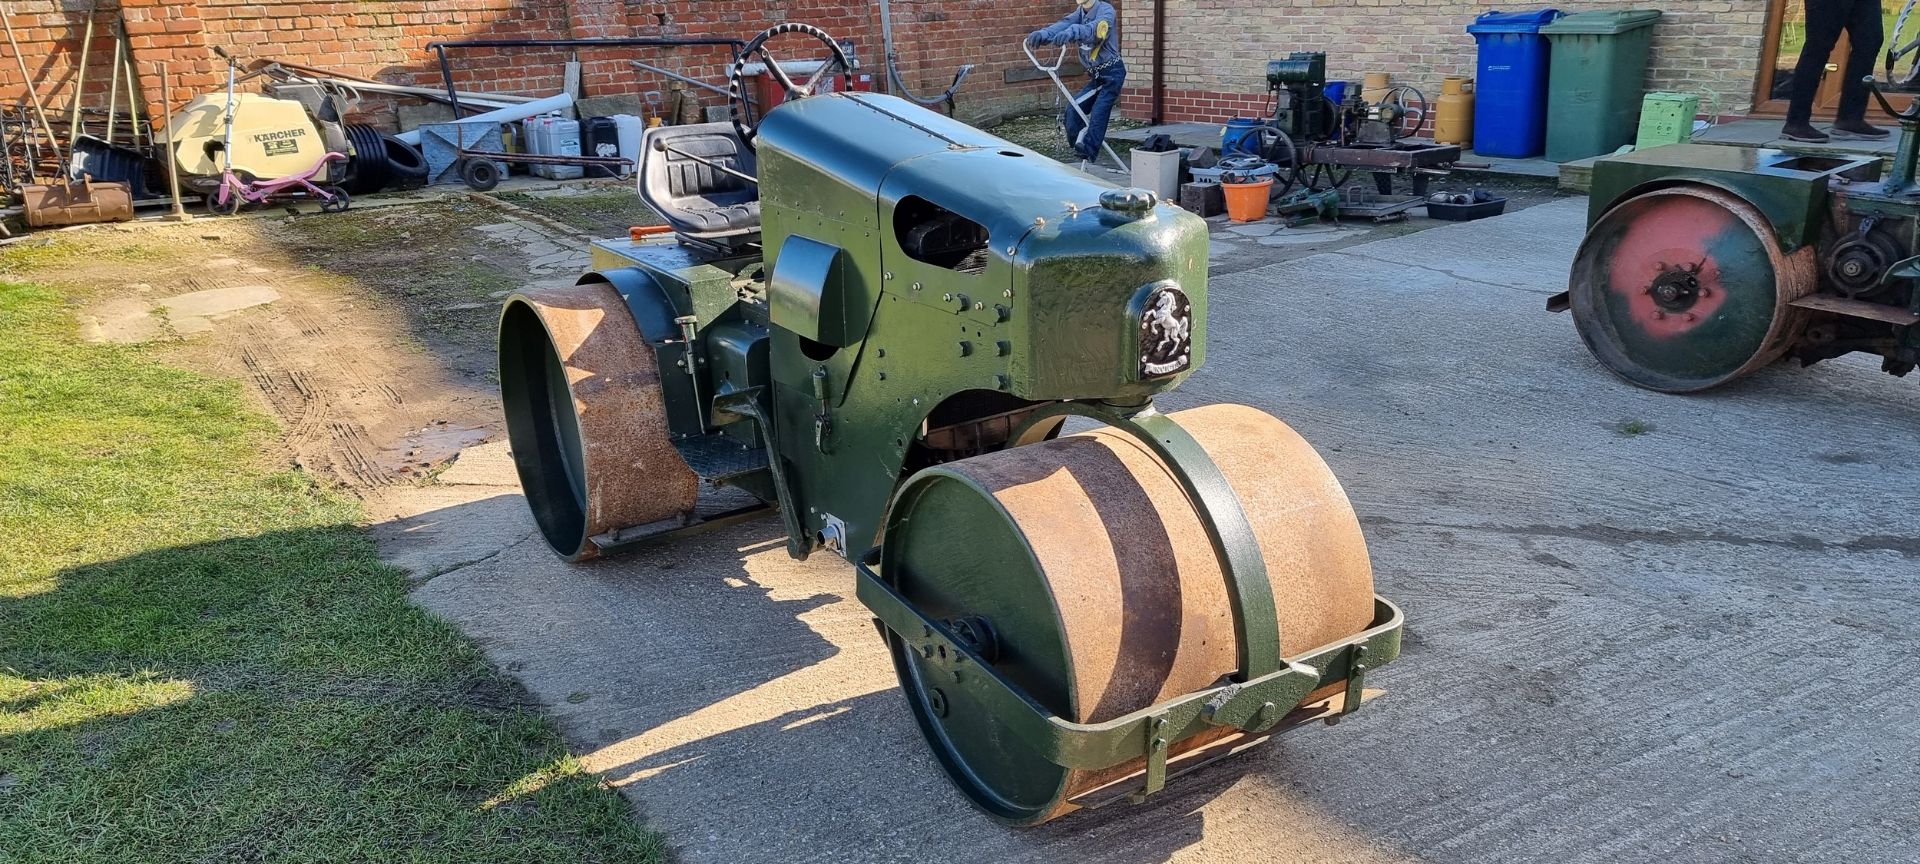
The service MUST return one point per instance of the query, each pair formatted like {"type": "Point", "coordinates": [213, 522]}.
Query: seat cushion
{"type": "Point", "coordinates": [695, 195]}
{"type": "Point", "coordinates": [732, 217]}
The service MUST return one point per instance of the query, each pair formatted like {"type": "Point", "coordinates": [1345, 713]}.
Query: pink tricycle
{"type": "Point", "coordinates": [234, 193]}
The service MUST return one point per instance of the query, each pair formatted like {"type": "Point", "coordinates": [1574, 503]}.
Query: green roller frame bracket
{"type": "Point", "coordinates": [1254, 706]}
{"type": "Point", "coordinates": [1258, 699]}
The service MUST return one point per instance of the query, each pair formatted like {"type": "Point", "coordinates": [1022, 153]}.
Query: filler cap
{"type": "Point", "coordinates": [1132, 201]}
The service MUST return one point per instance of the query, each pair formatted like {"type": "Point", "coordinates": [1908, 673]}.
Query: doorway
{"type": "Point", "coordinates": [1786, 34]}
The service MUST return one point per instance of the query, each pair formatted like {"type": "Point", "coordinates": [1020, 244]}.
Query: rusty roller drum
{"type": "Point", "coordinates": [580, 388]}
{"type": "Point", "coordinates": [1686, 288]}
{"type": "Point", "coordinates": [1084, 559]}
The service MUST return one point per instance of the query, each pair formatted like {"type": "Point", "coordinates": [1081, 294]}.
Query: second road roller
{"type": "Point", "coordinates": [1703, 263]}
{"type": "Point", "coordinates": [878, 321]}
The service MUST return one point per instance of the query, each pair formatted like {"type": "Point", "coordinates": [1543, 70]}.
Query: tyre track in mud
{"type": "Point", "coordinates": [371, 398]}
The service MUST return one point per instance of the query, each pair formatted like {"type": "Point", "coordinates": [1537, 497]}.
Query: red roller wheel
{"type": "Point", "coordinates": [1686, 288]}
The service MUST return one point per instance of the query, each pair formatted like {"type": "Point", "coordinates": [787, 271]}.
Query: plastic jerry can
{"type": "Point", "coordinates": [600, 136]}
{"type": "Point", "coordinates": [563, 136]}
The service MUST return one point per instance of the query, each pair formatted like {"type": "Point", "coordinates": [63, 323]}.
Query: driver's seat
{"type": "Point", "coordinates": [700, 201]}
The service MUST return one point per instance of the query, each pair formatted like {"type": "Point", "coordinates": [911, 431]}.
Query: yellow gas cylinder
{"type": "Point", "coordinates": [1453, 124]}
{"type": "Point", "coordinates": [1374, 88]}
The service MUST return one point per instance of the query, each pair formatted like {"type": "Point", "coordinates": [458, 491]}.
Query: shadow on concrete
{"type": "Point", "coordinates": [744, 702]}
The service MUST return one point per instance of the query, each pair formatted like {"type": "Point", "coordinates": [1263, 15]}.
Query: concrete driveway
{"type": "Point", "coordinates": [1693, 643]}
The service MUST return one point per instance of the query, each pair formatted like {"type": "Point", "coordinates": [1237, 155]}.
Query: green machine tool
{"type": "Point", "coordinates": [1703, 263]}
{"type": "Point", "coordinates": [878, 320]}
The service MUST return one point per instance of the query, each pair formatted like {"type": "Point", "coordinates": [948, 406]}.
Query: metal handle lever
{"type": "Point", "coordinates": [668, 148]}
{"type": "Point", "coordinates": [1873, 86]}
{"type": "Point", "coordinates": [1027, 46]}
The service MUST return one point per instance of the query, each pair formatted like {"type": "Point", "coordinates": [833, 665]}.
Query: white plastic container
{"type": "Point", "coordinates": [631, 128]}
{"type": "Point", "coordinates": [563, 137]}
{"type": "Point", "coordinates": [1158, 173]}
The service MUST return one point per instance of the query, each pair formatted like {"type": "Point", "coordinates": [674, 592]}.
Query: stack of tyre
{"type": "Point", "coordinates": [382, 162]}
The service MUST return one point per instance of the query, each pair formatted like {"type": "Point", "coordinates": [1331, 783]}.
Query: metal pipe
{"type": "Point", "coordinates": [1159, 96]}
{"type": "Point", "coordinates": [686, 79]}
{"type": "Point", "coordinates": [446, 74]}
{"type": "Point", "coordinates": [664, 146]}
{"type": "Point", "coordinates": [886, 41]}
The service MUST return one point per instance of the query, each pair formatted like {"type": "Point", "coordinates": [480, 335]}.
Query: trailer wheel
{"type": "Point", "coordinates": [480, 175]}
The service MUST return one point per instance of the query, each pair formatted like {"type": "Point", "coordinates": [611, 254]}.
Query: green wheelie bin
{"type": "Point", "coordinates": [1598, 69]}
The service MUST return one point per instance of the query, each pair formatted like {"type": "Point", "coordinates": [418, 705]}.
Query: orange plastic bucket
{"type": "Point", "coordinates": [1247, 202]}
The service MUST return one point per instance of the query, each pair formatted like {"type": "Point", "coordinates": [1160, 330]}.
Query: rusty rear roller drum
{"type": "Point", "coordinates": [1686, 288]}
{"type": "Point", "coordinates": [581, 392]}
{"type": "Point", "coordinates": [1089, 571]}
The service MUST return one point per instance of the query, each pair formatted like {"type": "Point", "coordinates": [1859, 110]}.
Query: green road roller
{"type": "Point", "coordinates": [1703, 263]}
{"type": "Point", "coordinates": [880, 322]}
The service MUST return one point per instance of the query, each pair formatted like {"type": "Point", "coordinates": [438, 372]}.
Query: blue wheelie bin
{"type": "Point", "coordinates": [1510, 101]}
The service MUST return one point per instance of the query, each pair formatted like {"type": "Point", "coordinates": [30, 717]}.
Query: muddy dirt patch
{"type": "Point", "coordinates": [369, 334]}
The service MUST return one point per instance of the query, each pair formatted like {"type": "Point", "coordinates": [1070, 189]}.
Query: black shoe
{"type": "Point", "coordinates": [1803, 132]}
{"type": "Point", "coordinates": [1858, 130]}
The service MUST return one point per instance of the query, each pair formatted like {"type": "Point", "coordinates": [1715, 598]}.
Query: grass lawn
{"type": "Point", "coordinates": [202, 660]}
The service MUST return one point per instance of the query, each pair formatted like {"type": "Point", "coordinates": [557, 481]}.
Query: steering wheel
{"type": "Point", "coordinates": [737, 88]}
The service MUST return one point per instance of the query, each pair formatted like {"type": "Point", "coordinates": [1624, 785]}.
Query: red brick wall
{"type": "Point", "coordinates": [387, 39]}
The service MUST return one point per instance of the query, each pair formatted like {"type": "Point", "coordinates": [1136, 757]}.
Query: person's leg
{"type": "Point", "coordinates": [1110, 80]}
{"type": "Point", "coordinates": [1075, 124]}
{"type": "Point", "coordinates": [1865, 34]}
{"type": "Point", "coordinates": [1825, 20]}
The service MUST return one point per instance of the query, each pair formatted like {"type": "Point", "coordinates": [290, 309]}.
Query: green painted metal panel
{"type": "Point", "coordinates": [1790, 189]}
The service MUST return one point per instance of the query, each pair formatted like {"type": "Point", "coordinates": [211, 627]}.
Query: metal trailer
{"type": "Point", "coordinates": [1703, 263]}
{"type": "Point", "coordinates": [877, 320]}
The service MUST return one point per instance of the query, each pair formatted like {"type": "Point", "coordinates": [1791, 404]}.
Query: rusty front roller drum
{"type": "Point", "coordinates": [1081, 571]}
{"type": "Point", "coordinates": [1686, 288]}
{"type": "Point", "coordinates": [587, 421]}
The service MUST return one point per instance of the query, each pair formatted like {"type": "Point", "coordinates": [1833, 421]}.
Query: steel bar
{"type": "Point", "coordinates": [668, 148]}
{"type": "Point", "coordinates": [686, 79]}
